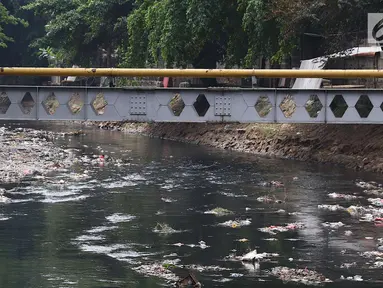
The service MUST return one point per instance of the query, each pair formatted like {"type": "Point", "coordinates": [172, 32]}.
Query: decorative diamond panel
{"type": "Point", "coordinates": [313, 106]}
{"type": "Point", "coordinates": [4, 103]}
{"type": "Point", "coordinates": [364, 106]}
{"type": "Point", "coordinates": [288, 106]}
{"type": "Point", "coordinates": [27, 103]}
{"type": "Point", "coordinates": [51, 104]}
{"type": "Point", "coordinates": [99, 104]}
{"type": "Point", "coordinates": [75, 103]}
{"type": "Point", "coordinates": [177, 105]}
{"type": "Point", "coordinates": [338, 106]}
{"type": "Point", "coordinates": [201, 105]}
{"type": "Point", "coordinates": [263, 106]}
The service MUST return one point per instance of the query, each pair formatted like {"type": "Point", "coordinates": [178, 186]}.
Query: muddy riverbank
{"type": "Point", "coordinates": [353, 146]}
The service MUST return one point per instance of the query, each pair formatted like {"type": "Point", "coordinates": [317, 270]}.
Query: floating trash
{"type": "Point", "coordinates": [163, 228]}
{"type": "Point", "coordinates": [101, 229]}
{"type": "Point", "coordinates": [334, 225]}
{"type": "Point", "coordinates": [350, 278]}
{"type": "Point", "coordinates": [251, 256]}
{"type": "Point", "coordinates": [331, 207]}
{"type": "Point", "coordinates": [267, 199]}
{"type": "Point", "coordinates": [348, 233]}
{"type": "Point", "coordinates": [118, 218]}
{"type": "Point", "coordinates": [272, 183]}
{"type": "Point", "coordinates": [201, 244]}
{"type": "Point", "coordinates": [289, 227]}
{"type": "Point", "coordinates": [219, 212]}
{"type": "Point", "coordinates": [372, 254]}
{"type": "Point", "coordinates": [376, 201]}
{"type": "Point", "coordinates": [157, 270]}
{"type": "Point", "coordinates": [85, 238]}
{"type": "Point", "coordinates": [243, 240]}
{"type": "Point", "coordinates": [342, 196]}
{"type": "Point", "coordinates": [236, 223]}
{"type": "Point", "coordinates": [168, 200]}
{"type": "Point", "coordinates": [200, 268]}
{"type": "Point", "coordinates": [189, 281]}
{"type": "Point", "coordinates": [368, 185]}
{"type": "Point", "coordinates": [304, 276]}
{"type": "Point", "coordinates": [348, 265]}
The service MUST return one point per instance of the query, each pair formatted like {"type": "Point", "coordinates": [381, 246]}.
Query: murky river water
{"type": "Point", "coordinates": [93, 232]}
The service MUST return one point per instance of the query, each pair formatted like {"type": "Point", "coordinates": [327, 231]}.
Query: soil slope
{"type": "Point", "coordinates": [354, 146]}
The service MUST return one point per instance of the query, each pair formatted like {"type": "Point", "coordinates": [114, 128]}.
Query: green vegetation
{"type": "Point", "coordinates": [174, 33]}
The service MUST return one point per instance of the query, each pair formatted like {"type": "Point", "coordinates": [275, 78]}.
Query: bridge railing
{"type": "Point", "coordinates": [191, 105]}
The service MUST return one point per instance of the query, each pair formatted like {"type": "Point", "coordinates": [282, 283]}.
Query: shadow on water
{"type": "Point", "coordinates": [89, 243]}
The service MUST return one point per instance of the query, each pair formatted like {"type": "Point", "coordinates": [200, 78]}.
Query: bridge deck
{"type": "Point", "coordinates": [192, 105]}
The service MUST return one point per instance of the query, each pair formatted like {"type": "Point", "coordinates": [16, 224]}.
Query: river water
{"type": "Point", "coordinates": [94, 232]}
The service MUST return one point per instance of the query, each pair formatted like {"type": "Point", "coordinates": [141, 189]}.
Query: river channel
{"type": "Point", "coordinates": [96, 231]}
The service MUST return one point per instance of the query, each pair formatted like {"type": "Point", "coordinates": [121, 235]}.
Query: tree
{"type": "Point", "coordinates": [7, 19]}
{"type": "Point", "coordinates": [261, 30]}
{"type": "Point", "coordinates": [342, 24]}
{"type": "Point", "coordinates": [78, 31]}
{"type": "Point", "coordinates": [183, 32]}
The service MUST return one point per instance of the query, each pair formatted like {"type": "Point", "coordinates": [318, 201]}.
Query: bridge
{"type": "Point", "coordinates": [342, 106]}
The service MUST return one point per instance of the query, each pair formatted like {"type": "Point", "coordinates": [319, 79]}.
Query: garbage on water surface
{"type": "Point", "coordinates": [368, 185]}
{"type": "Point", "coordinates": [376, 201]}
{"type": "Point", "coordinates": [303, 276]}
{"type": "Point", "coordinates": [157, 270]}
{"type": "Point", "coordinates": [367, 214]}
{"type": "Point", "coordinates": [272, 183]}
{"type": "Point", "coordinates": [348, 265]}
{"type": "Point", "coordinates": [331, 207]}
{"type": "Point", "coordinates": [253, 255]}
{"type": "Point", "coordinates": [289, 227]}
{"type": "Point", "coordinates": [350, 278]}
{"type": "Point", "coordinates": [236, 223]}
{"type": "Point", "coordinates": [348, 233]}
{"type": "Point", "coordinates": [342, 196]}
{"type": "Point", "coordinates": [334, 225]}
{"type": "Point", "coordinates": [219, 212]}
{"type": "Point", "coordinates": [163, 228]}
{"type": "Point", "coordinates": [266, 199]}
{"type": "Point", "coordinates": [188, 281]}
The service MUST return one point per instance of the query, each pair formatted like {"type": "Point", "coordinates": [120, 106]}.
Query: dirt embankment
{"type": "Point", "coordinates": [354, 146]}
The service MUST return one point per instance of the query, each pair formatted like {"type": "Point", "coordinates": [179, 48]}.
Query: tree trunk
{"type": "Point", "coordinates": [109, 57]}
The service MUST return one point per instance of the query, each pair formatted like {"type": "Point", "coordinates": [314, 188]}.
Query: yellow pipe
{"type": "Point", "coordinates": [197, 73]}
